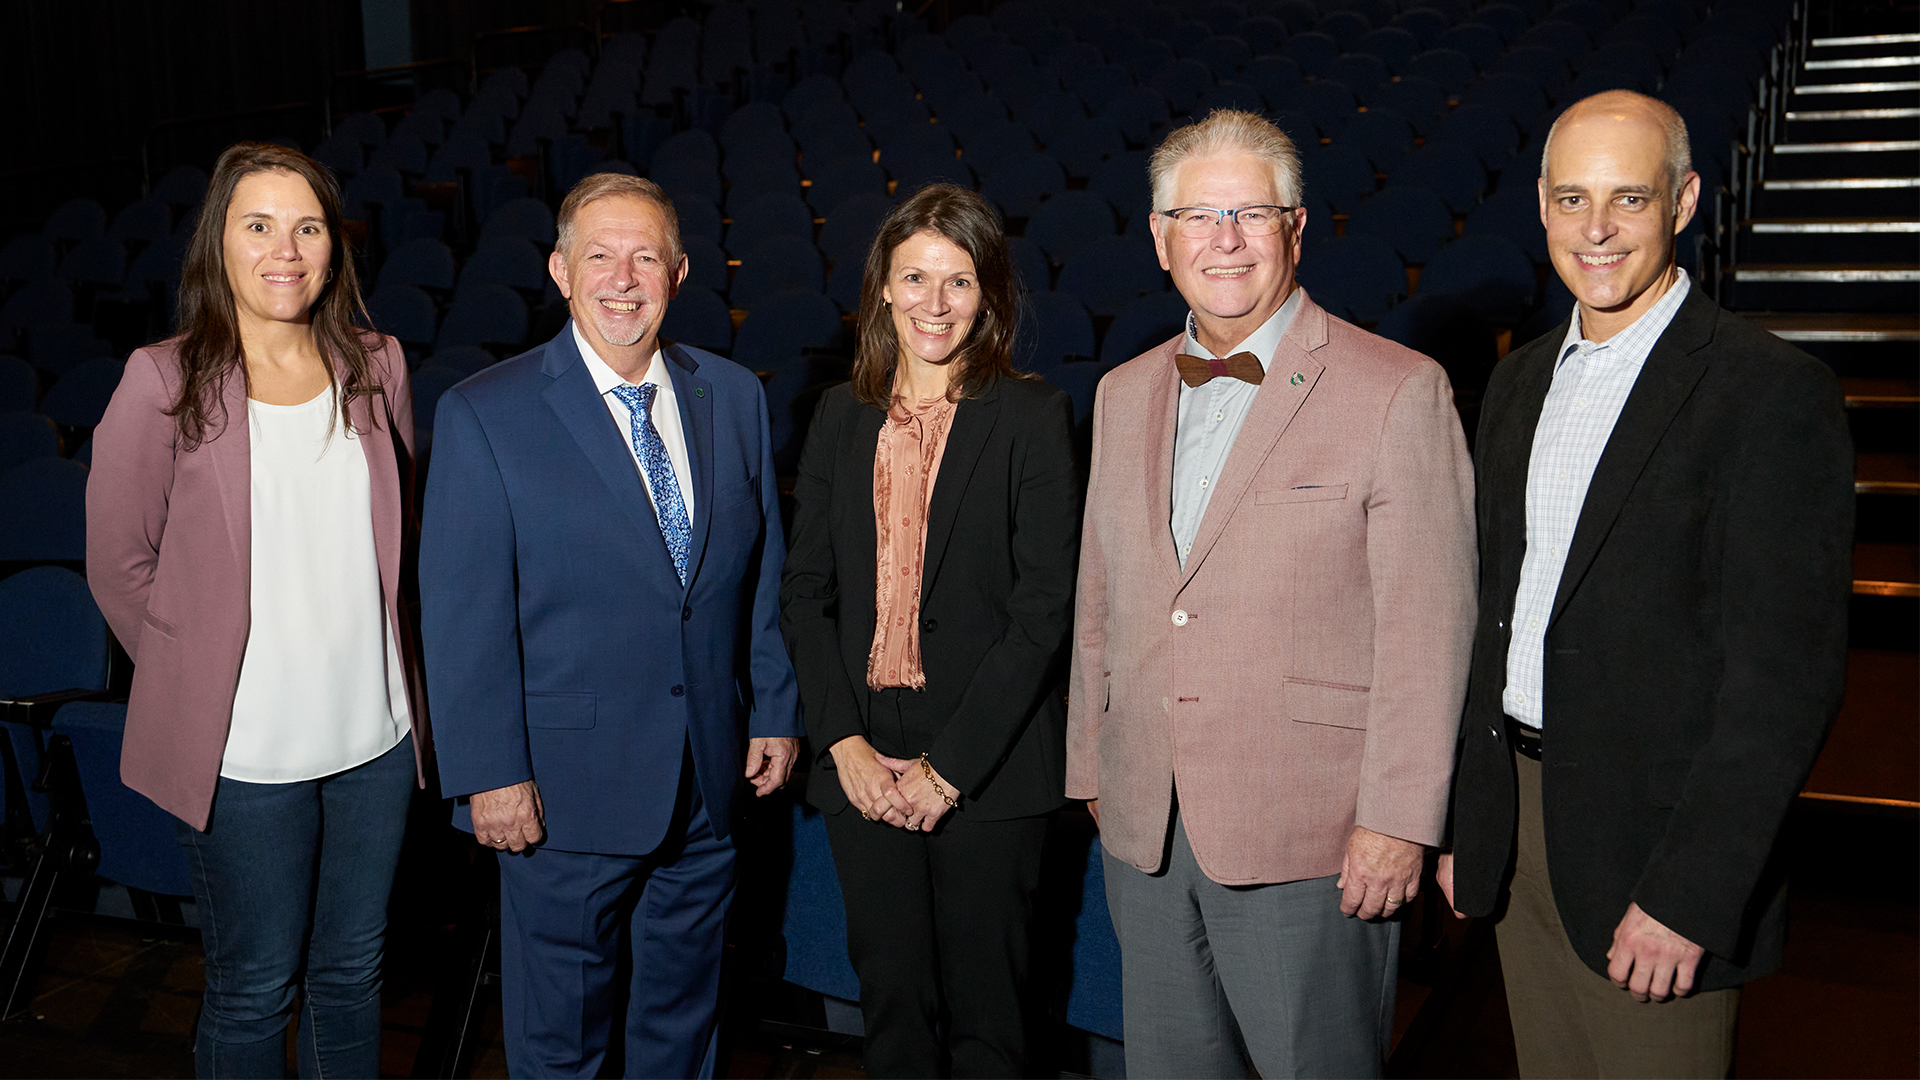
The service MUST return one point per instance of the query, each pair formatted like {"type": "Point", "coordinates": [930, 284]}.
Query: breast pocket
{"type": "Point", "coordinates": [1300, 494]}
{"type": "Point", "coordinates": [728, 496]}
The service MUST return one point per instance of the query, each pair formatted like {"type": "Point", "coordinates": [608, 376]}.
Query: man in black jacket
{"type": "Point", "coordinates": [1665, 515]}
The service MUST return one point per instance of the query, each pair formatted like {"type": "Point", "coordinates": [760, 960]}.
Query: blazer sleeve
{"type": "Point", "coordinates": [1422, 562]}
{"type": "Point", "coordinates": [1785, 584]}
{"type": "Point", "coordinates": [1022, 667]}
{"type": "Point", "coordinates": [775, 699]}
{"type": "Point", "coordinates": [128, 490]}
{"type": "Point", "coordinates": [810, 591]}
{"type": "Point", "coordinates": [469, 619]}
{"type": "Point", "coordinates": [1087, 680]}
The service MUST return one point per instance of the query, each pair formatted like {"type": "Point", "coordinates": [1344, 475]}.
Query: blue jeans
{"type": "Point", "coordinates": [291, 882]}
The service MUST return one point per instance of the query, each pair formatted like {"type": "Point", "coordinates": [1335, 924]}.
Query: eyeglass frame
{"type": "Point", "coordinates": [1285, 212]}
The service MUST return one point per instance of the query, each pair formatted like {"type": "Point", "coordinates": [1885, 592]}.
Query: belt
{"type": "Point", "coordinates": [1525, 739]}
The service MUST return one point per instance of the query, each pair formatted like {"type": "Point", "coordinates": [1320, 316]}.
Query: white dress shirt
{"type": "Point", "coordinates": [666, 416]}
{"type": "Point", "coordinates": [1590, 386]}
{"type": "Point", "coordinates": [1209, 422]}
{"type": "Point", "coordinates": [320, 687]}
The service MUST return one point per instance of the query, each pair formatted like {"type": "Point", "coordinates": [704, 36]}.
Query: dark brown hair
{"type": "Point", "coordinates": [208, 338]}
{"type": "Point", "coordinates": [987, 354]}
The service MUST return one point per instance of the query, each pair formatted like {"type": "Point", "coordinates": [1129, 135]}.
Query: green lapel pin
{"type": "Point", "coordinates": [1297, 379]}
{"type": "Point", "coordinates": [699, 391]}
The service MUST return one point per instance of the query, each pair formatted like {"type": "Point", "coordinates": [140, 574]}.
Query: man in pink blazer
{"type": "Point", "coordinates": [1275, 606]}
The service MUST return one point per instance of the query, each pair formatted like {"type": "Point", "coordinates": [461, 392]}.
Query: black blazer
{"type": "Point", "coordinates": [996, 599]}
{"type": "Point", "coordinates": [1697, 650]}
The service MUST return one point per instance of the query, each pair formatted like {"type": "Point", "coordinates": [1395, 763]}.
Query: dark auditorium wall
{"type": "Point", "coordinates": [81, 83]}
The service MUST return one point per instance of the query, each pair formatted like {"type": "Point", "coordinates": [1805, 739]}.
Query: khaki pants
{"type": "Point", "coordinates": [1569, 1021]}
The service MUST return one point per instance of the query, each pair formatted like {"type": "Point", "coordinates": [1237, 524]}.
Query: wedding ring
{"type": "Point", "coordinates": [1391, 900]}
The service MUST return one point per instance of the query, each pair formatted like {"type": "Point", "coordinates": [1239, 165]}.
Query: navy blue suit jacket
{"type": "Point", "coordinates": [560, 645]}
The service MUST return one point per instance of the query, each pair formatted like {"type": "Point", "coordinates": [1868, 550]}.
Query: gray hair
{"type": "Point", "coordinates": [605, 185]}
{"type": "Point", "coordinates": [1226, 131]}
{"type": "Point", "coordinates": [1679, 151]}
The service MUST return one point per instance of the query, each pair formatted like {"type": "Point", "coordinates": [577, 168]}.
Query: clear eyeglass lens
{"type": "Point", "coordinates": [1200, 222]}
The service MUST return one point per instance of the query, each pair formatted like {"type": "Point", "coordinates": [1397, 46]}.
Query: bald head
{"type": "Point", "coordinates": [1627, 115]}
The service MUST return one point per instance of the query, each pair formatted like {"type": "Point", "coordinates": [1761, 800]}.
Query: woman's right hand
{"type": "Point", "coordinates": [870, 786]}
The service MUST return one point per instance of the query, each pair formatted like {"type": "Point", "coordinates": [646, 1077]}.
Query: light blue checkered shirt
{"type": "Point", "coordinates": [1590, 386]}
{"type": "Point", "coordinates": [1209, 422]}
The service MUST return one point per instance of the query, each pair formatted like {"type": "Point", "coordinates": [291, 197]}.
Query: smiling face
{"type": "Point", "coordinates": [276, 248]}
{"type": "Point", "coordinates": [1611, 217]}
{"type": "Point", "coordinates": [934, 296]}
{"type": "Point", "coordinates": [617, 275]}
{"type": "Point", "coordinates": [1233, 282]}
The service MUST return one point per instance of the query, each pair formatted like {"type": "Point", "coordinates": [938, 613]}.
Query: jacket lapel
{"type": "Point", "coordinates": [1666, 381]}
{"type": "Point", "coordinates": [695, 396]}
{"type": "Point", "coordinates": [856, 479]}
{"type": "Point", "coordinates": [1291, 376]}
{"type": "Point", "coordinates": [1162, 425]}
{"type": "Point", "coordinates": [577, 403]}
{"type": "Point", "coordinates": [973, 422]}
{"type": "Point", "coordinates": [1504, 454]}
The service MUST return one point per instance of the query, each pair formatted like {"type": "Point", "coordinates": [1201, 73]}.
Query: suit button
{"type": "Point", "coordinates": [1493, 731]}
{"type": "Point", "coordinates": [1180, 617]}
{"type": "Point", "coordinates": [678, 690]}
{"type": "Point", "coordinates": [686, 613]}
{"type": "Point", "coordinates": [930, 625]}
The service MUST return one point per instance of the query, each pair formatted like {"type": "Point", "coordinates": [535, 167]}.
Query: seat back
{"type": "Point", "coordinates": [137, 845]}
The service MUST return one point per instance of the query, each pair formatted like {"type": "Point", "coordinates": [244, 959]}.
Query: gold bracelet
{"type": "Point", "coordinates": [927, 770]}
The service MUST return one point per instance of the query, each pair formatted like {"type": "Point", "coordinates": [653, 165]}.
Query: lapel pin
{"type": "Point", "coordinates": [699, 391]}
{"type": "Point", "coordinates": [1297, 379]}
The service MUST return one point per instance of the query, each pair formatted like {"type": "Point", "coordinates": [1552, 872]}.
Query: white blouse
{"type": "Point", "coordinates": [320, 683]}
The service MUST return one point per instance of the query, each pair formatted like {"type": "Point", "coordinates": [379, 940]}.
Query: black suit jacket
{"type": "Point", "coordinates": [996, 601]}
{"type": "Point", "coordinates": [1697, 650]}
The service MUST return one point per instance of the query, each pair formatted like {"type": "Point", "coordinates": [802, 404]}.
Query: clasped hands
{"type": "Point", "coordinates": [896, 791]}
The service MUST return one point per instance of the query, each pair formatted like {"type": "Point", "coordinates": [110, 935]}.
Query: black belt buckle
{"type": "Point", "coordinates": [1526, 740]}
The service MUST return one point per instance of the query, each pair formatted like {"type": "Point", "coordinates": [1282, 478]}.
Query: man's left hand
{"type": "Point", "coordinates": [1380, 875]}
{"type": "Point", "coordinates": [770, 762]}
{"type": "Point", "coordinates": [1650, 961]}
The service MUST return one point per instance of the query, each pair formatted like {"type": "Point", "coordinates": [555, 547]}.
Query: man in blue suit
{"type": "Point", "coordinates": [600, 569]}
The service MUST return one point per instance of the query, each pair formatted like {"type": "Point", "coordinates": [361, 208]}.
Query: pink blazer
{"type": "Point", "coordinates": [169, 559]}
{"type": "Point", "coordinates": [1305, 672]}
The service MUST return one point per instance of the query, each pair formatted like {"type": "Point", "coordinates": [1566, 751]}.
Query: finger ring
{"type": "Point", "coordinates": [912, 826]}
{"type": "Point", "coordinates": [864, 816]}
{"type": "Point", "coordinates": [1391, 900]}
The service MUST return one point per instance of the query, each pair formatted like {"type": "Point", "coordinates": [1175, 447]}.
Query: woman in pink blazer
{"type": "Point", "coordinates": [245, 519]}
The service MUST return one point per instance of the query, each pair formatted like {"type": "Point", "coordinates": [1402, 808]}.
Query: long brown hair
{"type": "Point", "coordinates": [208, 337]}
{"type": "Point", "coordinates": [966, 219]}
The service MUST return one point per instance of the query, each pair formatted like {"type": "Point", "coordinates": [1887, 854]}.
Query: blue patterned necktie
{"type": "Point", "coordinates": [668, 506]}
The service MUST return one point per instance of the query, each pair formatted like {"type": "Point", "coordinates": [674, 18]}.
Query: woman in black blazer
{"type": "Point", "coordinates": [927, 601]}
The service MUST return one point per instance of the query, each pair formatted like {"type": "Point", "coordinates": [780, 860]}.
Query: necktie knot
{"type": "Point", "coordinates": [637, 398]}
{"type": "Point", "coordinates": [1197, 370]}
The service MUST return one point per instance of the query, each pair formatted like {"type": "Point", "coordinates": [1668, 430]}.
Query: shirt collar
{"type": "Point", "coordinates": [1636, 340]}
{"type": "Point", "coordinates": [604, 377]}
{"type": "Point", "coordinates": [1262, 343]}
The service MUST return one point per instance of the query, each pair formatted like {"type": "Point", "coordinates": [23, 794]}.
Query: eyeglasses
{"type": "Point", "coordinates": [1200, 222]}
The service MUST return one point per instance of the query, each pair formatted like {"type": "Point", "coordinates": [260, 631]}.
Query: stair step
{"type": "Point", "coordinates": [1894, 158]}
{"type": "Point", "coordinates": [1853, 344]}
{"type": "Point", "coordinates": [1833, 288]}
{"type": "Point", "coordinates": [1857, 94]}
{"type": "Point", "coordinates": [1866, 196]}
{"type": "Point", "coordinates": [1864, 39]}
{"type": "Point", "coordinates": [1828, 125]}
{"type": "Point", "coordinates": [1856, 63]}
{"type": "Point", "coordinates": [1886, 474]}
{"type": "Point", "coordinates": [1851, 240]}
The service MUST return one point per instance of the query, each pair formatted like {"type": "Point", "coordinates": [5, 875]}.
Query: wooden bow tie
{"type": "Point", "coordinates": [1244, 366]}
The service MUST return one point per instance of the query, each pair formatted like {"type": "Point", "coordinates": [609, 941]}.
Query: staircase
{"type": "Point", "coordinates": [1827, 255]}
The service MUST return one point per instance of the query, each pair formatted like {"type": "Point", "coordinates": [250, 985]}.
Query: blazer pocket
{"type": "Point", "coordinates": [1330, 704]}
{"type": "Point", "coordinates": [159, 625]}
{"type": "Point", "coordinates": [560, 710]}
{"type": "Point", "coordinates": [735, 494]}
{"type": "Point", "coordinates": [1304, 493]}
